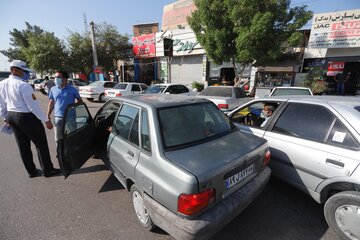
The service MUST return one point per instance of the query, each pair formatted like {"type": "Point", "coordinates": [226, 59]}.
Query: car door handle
{"type": "Point", "coordinates": [130, 153]}
{"type": "Point", "coordinates": [334, 162]}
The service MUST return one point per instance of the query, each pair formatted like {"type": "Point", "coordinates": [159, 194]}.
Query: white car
{"type": "Point", "coordinates": [225, 97]}
{"type": "Point", "coordinates": [170, 88]}
{"type": "Point", "coordinates": [282, 91]}
{"type": "Point", "coordinates": [125, 88]}
{"type": "Point", "coordinates": [96, 90]}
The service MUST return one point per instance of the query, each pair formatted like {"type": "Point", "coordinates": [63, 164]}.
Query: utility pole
{"type": "Point", "coordinates": [95, 59]}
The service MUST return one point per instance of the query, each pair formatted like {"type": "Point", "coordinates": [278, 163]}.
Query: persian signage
{"type": "Point", "coordinates": [144, 45]}
{"type": "Point", "coordinates": [336, 30]}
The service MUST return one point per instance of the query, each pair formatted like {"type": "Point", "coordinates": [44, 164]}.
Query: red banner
{"type": "Point", "coordinates": [335, 68]}
{"type": "Point", "coordinates": [144, 45]}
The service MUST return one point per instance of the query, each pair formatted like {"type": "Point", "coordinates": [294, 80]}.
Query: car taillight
{"type": "Point", "coordinates": [267, 157]}
{"type": "Point", "coordinates": [189, 204]}
{"type": "Point", "coordinates": [223, 106]}
{"type": "Point", "coordinates": [118, 94]}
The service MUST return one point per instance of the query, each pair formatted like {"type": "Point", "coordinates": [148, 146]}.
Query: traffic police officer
{"type": "Point", "coordinates": [20, 109]}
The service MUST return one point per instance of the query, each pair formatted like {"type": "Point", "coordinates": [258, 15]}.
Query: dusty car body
{"type": "Point", "coordinates": [189, 170]}
{"type": "Point", "coordinates": [315, 146]}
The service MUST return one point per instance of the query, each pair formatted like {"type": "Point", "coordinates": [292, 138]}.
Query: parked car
{"type": "Point", "coordinates": [188, 169]}
{"type": "Point", "coordinates": [261, 92]}
{"type": "Point", "coordinates": [169, 88]}
{"type": "Point", "coordinates": [96, 90]}
{"type": "Point", "coordinates": [225, 97]}
{"type": "Point", "coordinates": [125, 88]}
{"type": "Point", "coordinates": [282, 91]}
{"type": "Point", "coordinates": [4, 75]}
{"type": "Point", "coordinates": [315, 146]}
{"type": "Point", "coordinates": [36, 82]}
{"type": "Point", "coordinates": [76, 83]}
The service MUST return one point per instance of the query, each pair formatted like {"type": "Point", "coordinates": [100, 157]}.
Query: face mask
{"type": "Point", "coordinates": [264, 114]}
{"type": "Point", "coordinates": [26, 76]}
{"type": "Point", "coordinates": [58, 81]}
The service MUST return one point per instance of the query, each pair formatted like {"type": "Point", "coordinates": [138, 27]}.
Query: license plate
{"type": "Point", "coordinates": [111, 93]}
{"type": "Point", "coordinates": [234, 179]}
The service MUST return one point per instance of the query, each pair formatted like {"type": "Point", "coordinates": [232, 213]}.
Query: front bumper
{"type": "Point", "coordinates": [212, 220]}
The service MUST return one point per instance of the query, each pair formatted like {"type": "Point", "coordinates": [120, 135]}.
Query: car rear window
{"type": "Point", "coordinates": [155, 89]}
{"type": "Point", "coordinates": [121, 86]}
{"type": "Point", "coordinates": [187, 124]}
{"type": "Point", "coordinates": [217, 91]}
{"type": "Point", "coordinates": [283, 92]}
{"type": "Point", "coordinates": [95, 84]}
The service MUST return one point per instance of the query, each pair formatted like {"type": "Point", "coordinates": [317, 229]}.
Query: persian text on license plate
{"type": "Point", "coordinates": [234, 179]}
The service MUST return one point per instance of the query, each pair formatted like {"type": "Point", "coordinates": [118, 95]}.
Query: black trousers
{"type": "Point", "coordinates": [27, 127]}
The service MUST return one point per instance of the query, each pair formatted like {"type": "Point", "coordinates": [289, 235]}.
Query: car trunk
{"type": "Point", "coordinates": [211, 163]}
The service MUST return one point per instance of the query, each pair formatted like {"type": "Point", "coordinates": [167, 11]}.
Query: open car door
{"type": "Point", "coordinates": [77, 144]}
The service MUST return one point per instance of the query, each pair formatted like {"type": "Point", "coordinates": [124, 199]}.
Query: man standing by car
{"type": "Point", "coordinates": [60, 96]}
{"type": "Point", "coordinates": [21, 110]}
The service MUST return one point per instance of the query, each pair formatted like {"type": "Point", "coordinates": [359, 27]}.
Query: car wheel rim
{"type": "Point", "coordinates": [348, 220]}
{"type": "Point", "coordinates": [139, 207]}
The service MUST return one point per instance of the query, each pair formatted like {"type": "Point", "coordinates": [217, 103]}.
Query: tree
{"type": "Point", "coordinates": [46, 53]}
{"type": "Point", "coordinates": [19, 41]}
{"type": "Point", "coordinates": [110, 44]}
{"type": "Point", "coordinates": [247, 31]}
{"type": "Point", "coordinates": [80, 57]}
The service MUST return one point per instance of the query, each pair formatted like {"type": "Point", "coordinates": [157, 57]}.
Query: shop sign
{"type": "Point", "coordinates": [144, 45]}
{"type": "Point", "coordinates": [336, 30]}
{"type": "Point", "coordinates": [334, 68]}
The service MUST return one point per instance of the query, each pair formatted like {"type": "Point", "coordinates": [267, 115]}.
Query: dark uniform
{"type": "Point", "coordinates": [20, 109]}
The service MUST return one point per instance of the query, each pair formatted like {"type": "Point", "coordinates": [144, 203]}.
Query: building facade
{"type": "Point", "coordinates": [334, 46]}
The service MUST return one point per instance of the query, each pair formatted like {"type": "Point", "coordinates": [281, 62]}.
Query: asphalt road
{"type": "Point", "coordinates": [92, 204]}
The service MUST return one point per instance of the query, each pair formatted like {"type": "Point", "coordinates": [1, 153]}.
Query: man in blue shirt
{"type": "Point", "coordinates": [60, 96]}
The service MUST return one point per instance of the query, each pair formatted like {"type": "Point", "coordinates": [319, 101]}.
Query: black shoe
{"type": "Point", "coordinates": [52, 172]}
{"type": "Point", "coordinates": [36, 173]}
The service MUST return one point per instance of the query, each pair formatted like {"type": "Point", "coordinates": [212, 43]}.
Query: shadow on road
{"type": "Point", "coordinates": [280, 212]}
{"type": "Point", "coordinates": [111, 184]}
{"type": "Point", "coordinates": [96, 168]}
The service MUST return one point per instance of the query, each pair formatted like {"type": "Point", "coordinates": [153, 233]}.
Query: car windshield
{"type": "Point", "coordinates": [121, 86]}
{"type": "Point", "coordinates": [217, 91]}
{"type": "Point", "coordinates": [95, 84]}
{"type": "Point", "coordinates": [184, 125]}
{"type": "Point", "coordinates": [155, 89]}
{"type": "Point", "coordinates": [289, 91]}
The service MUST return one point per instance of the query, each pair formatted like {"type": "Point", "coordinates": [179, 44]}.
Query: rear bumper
{"type": "Point", "coordinates": [89, 95]}
{"type": "Point", "coordinates": [214, 219]}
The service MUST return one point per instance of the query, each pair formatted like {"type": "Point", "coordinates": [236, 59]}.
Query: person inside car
{"type": "Point", "coordinates": [266, 113]}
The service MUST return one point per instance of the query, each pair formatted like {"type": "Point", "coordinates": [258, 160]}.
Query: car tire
{"type": "Point", "coordinates": [102, 98]}
{"type": "Point", "coordinates": [90, 99]}
{"type": "Point", "coordinates": [342, 213]}
{"type": "Point", "coordinates": [140, 210]}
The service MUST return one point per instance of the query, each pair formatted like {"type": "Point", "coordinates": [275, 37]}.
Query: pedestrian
{"type": "Point", "coordinates": [60, 97]}
{"type": "Point", "coordinates": [21, 110]}
{"type": "Point", "coordinates": [340, 80]}
{"type": "Point", "coordinates": [50, 84]}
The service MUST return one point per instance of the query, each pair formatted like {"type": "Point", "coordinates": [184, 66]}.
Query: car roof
{"type": "Point", "coordinates": [167, 84]}
{"type": "Point", "coordinates": [290, 87]}
{"type": "Point", "coordinates": [160, 100]}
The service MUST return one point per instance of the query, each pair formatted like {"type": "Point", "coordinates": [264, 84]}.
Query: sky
{"type": "Point", "coordinates": [63, 16]}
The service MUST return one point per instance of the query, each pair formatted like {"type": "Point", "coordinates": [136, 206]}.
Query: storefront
{"type": "Point", "coordinates": [334, 45]}
{"type": "Point", "coordinates": [188, 61]}
{"type": "Point", "coordinates": [145, 62]}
